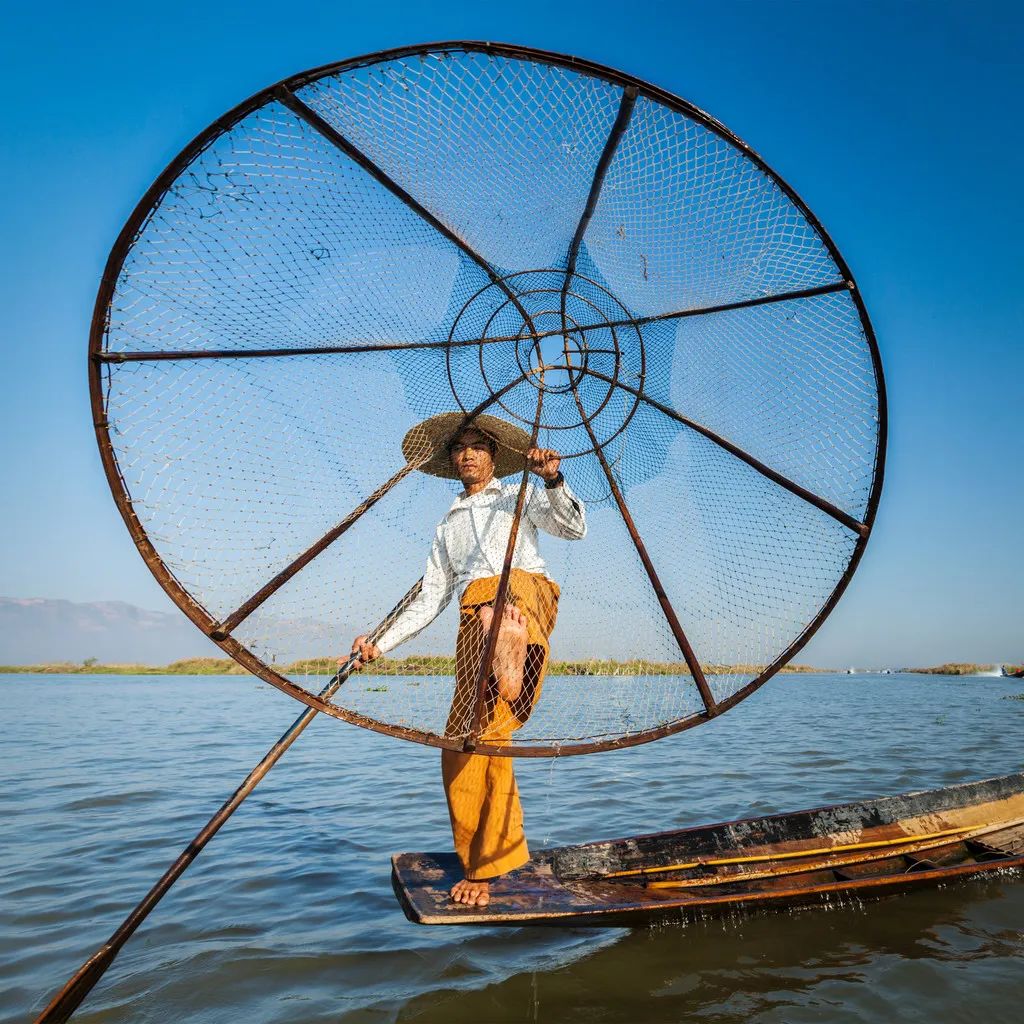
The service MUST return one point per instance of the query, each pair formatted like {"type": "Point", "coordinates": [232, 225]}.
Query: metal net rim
{"type": "Point", "coordinates": [99, 360]}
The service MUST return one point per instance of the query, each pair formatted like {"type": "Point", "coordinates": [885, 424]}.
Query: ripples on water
{"type": "Point", "coordinates": [289, 916]}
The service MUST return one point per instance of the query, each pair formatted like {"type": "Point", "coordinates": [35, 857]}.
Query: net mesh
{"type": "Point", "coordinates": [391, 243]}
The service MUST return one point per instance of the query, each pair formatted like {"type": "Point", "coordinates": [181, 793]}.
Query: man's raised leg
{"type": "Point", "coordinates": [510, 650]}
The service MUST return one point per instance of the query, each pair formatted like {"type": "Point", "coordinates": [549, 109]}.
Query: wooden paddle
{"type": "Point", "coordinates": [81, 983]}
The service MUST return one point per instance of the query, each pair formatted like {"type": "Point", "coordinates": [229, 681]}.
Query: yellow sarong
{"type": "Point", "coordinates": [483, 799]}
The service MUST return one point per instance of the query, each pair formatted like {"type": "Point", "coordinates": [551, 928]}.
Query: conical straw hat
{"type": "Point", "coordinates": [435, 434]}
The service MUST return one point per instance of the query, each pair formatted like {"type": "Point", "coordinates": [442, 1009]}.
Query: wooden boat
{"type": "Point", "coordinates": [861, 849]}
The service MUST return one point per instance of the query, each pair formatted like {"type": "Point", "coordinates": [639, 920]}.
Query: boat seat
{"type": "Point", "coordinates": [983, 852]}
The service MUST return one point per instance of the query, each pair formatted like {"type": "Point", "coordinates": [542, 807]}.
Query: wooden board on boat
{"type": "Point", "coordinates": [865, 848]}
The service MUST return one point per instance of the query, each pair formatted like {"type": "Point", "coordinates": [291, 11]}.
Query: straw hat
{"type": "Point", "coordinates": [435, 434]}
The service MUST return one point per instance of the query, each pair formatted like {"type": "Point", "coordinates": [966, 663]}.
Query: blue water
{"type": "Point", "coordinates": [289, 916]}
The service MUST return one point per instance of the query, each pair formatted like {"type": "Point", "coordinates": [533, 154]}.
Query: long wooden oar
{"type": "Point", "coordinates": [81, 983]}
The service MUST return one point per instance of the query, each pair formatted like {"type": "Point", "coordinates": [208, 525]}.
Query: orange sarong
{"type": "Point", "coordinates": [483, 799]}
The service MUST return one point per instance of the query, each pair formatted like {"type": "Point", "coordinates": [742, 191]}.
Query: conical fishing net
{"type": "Point", "coordinates": [489, 231]}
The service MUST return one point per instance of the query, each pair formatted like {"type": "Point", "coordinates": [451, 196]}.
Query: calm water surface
{"type": "Point", "coordinates": [289, 916]}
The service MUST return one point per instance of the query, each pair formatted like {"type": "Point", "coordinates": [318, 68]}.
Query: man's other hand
{"type": "Point", "coordinates": [544, 462]}
{"type": "Point", "coordinates": [366, 649]}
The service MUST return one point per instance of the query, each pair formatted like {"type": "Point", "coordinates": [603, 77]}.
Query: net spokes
{"type": "Point", "coordinates": [478, 230]}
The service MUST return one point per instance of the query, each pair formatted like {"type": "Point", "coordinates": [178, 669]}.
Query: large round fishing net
{"type": "Point", "coordinates": [489, 231]}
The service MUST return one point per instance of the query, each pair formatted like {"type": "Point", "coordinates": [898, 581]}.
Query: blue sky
{"type": "Point", "coordinates": [895, 122]}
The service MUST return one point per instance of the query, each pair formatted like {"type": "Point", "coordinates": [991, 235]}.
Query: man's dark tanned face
{"type": "Point", "coordinates": [471, 457]}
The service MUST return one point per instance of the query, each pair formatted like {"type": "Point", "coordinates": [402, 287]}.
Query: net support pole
{"type": "Point", "coordinates": [724, 307]}
{"type": "Point", "coordinates": [81, 983]}
{"type": "Point", "coordinates": [629, 97]}
{"type": "Point", "coordinates": [104, 357]}
{"type": "Point", "coordinates": [357, 156]}
{"type": "Point", "coordinates": [500, 597]}
{"type": "Point", "coordinates": [823, 504]}
{"type": "Point", "coordinates": [225, 627]}
{"type": "Point", "coordinates": [710, 704]}
{"type": "Point", "coordinates": [179, 355]}
{"type": "Point", "coordinates": [619, 126]}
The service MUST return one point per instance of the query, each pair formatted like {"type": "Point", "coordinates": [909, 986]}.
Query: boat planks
{"type": "Point", "coordinates": [867, 848]}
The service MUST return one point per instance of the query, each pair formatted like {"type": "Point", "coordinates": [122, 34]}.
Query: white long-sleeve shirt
{"type": "Point", "coordinates": [470, 544]}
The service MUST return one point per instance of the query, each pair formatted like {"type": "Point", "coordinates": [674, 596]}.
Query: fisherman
{"type": "Point", "coordinates": [467, 555]}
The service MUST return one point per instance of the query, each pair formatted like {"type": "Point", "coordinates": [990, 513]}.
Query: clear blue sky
{"type": "Point", "coordinates": [897, 122]}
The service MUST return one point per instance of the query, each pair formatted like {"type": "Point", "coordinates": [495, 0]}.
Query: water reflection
{"type": "Point", "coordinates": [840, 962]}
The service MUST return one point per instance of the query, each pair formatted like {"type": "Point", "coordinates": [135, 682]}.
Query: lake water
{"type": "Point", "coordinates": [289, 916]}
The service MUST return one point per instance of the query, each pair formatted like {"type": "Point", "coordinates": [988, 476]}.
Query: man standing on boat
{"type": "Point", "coordinates": [467, 555]}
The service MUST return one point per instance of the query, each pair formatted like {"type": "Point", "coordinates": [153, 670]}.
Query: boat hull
{"type": "Point", "coordinates": [860, 850]}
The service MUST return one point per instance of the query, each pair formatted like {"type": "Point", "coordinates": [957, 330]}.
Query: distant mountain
{"type": "Point", "coordinates": [34, 630]}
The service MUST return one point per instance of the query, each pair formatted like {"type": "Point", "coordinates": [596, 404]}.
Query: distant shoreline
{"type": "Point", "coordinates": [430, 665]}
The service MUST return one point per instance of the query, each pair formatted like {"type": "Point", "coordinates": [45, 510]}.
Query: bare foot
{"type": "Point", "coordinates": [510, 650]}
{"type": "Point", "coordinates": [473, 894]}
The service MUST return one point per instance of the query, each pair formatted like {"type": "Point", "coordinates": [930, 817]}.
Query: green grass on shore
{"type": "Point", "coordinates": [435, 665]}
{"type": "Point", "coordinates": [419, 665]}
{"type": "Point", "coordinates": [953, 668]}
{"type": "Point", "coordinates": [185, 667]}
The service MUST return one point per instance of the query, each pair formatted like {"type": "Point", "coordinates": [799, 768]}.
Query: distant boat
{"type": "Point", "coordinates": [1012, 673]}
